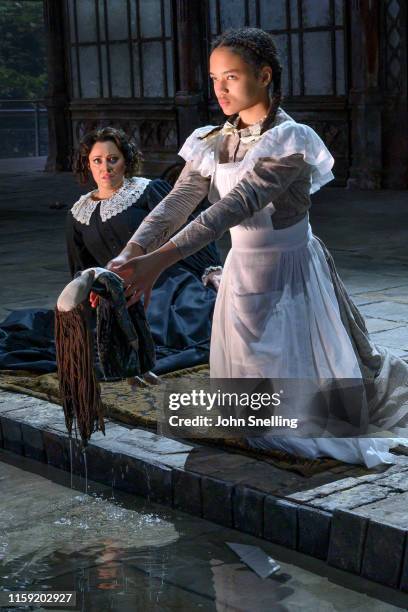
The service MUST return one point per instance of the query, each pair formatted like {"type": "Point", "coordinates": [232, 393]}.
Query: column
{"type": "Point", "coordinates": [365, 95]}
{"type": "Point", "coordinates": [191, 75]}
{"type": "Point", "coordinates": [56, 100]}
{"type": "Point", "coordinates": [394, 71]}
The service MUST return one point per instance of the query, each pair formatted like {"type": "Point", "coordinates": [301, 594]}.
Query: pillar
{"type": "Point", "coordinates": [57, 99]}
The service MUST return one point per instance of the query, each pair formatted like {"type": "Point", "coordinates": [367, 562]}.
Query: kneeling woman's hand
{"type": "Point", "coordinates": [139, 275]}
{"type": "Point", "coordinates": [141, 272]}
{"type": "Point", "coordinates": [130, 251]}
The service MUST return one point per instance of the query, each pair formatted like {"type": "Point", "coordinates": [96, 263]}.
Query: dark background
{"type": "Point", "coordinates": [142, 65]}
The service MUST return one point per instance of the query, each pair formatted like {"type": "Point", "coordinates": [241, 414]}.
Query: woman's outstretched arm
{"type": "Point", "coordinates": [166, 218]}
{"type": "Point", "coordinates": [263, 184]}
{"type": "Point", "coordinates": [173, 211]}
{"type": "Point", "coordinates": [266, 181]}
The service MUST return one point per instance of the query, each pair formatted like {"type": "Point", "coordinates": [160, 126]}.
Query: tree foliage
{"type": "Point", "coordinates": [23, 68]}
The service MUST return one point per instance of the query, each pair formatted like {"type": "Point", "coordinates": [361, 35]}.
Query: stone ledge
{"type": "Point", "coordinates": [314, 532]}
{"type": "Point", "coordinates": [281, 522]}
{"type": "Point", "coordinates": [387, 544]}
{"type": "Point", "coordinates": [348, 532]}
{"type": "Point", "coordinates": [355, 523]}
{"type": "Point", "coordinates": [248, 510]}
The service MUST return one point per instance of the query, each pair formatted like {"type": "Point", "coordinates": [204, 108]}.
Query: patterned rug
{"type": "Point", "coordinates": [138, 407]}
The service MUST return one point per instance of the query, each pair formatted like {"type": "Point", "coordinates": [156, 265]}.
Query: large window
{"type": "Point", "coordinates": [310, 37]}
{"type": "Point", "coordinates": [121, 48]}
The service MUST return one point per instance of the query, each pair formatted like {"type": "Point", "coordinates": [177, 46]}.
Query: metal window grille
{"type": "Point", "coordinates": [311, 38]}
{"type": "Point", "coordinates": [120, 48]}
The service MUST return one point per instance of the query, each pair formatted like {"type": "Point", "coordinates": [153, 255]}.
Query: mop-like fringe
{"type": "Point", "coordinates": [79, 389]}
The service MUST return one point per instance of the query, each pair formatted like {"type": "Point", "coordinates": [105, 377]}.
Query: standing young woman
{"type": "Point", "coordinates": [281, 310]}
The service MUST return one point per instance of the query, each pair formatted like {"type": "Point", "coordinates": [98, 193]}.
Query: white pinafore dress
{"type": "Point", "coordinates": [277, 313]}
{"type": "Point", "coordinates": [277, 316]}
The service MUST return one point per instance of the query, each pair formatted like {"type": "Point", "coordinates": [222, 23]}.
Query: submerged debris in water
{"type": "Point", "coordinates": [255, 558]}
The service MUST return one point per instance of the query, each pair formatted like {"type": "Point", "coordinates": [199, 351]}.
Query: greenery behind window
{"type": "Point", "coordinates": [23, 68]}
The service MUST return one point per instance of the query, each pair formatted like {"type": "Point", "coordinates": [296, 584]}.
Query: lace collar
{"type": "Point", "coordinates": [122, 199]}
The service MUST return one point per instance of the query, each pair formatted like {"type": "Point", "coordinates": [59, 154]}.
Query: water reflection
{"type": "Point", "coordinates": [78, 523]}
{"type": "Point", "coordinates": [125, 555]}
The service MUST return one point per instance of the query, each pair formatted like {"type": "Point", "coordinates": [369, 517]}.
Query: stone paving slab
{"type": "Point", "coordinates": [386, 542]}
{"type": "Point", "coordinates": [355, 520]}
{"type": "Point", "coordinates": [393, 338]}
{"type": "Point", "coordinates": [395, 294]}
{"type": "Point", "coordinates": [362, 282]}
{"type": "Point", "coordinates": [353, 497]}
{"type": "Point", "coordinates": [376, 325]}
{"type": "Point", "coordinates": [325, 491]}
{"type": "Point", "coordinates": [392, 511]}
{"type": "Point", "coordinates": [347, 538]}
{"type": "Point", "coordinates": [365, 298]}
{"type": "Point", "coordinates": [401, 353]}
{"type": "Point", "coordinates": [391, 311]}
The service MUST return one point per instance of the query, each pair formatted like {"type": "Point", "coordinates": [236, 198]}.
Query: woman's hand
{"type": "Point", "coordinates": [212, 276]}
{"type": "Point", "coordinates": [93, 299]}
{"type": "Point", "coordinates": [139, 275]}
{"type": "Point", "coordinates": [214, 279]}
{"type": "Point", "coordinates": [130, 251]}
{"type": "Point", "coordinates": [128, 254]}
{"type": "Point", "coordinates": [141, 272]}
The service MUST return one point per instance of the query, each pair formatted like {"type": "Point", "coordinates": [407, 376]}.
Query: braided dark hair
{"type": "Point", "coordinates": [133, 157]}
{"type": "Point", "coordinates": [257, 48]}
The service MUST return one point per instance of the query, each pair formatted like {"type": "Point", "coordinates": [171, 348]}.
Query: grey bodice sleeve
{"type": "Point", "coordinates": [268, 180]}
{"type": "Point", "coordinates": [173, 211]}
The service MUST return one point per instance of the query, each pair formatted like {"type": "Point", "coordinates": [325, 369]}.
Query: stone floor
{"type": "Point", "coordinates": [366, 232]}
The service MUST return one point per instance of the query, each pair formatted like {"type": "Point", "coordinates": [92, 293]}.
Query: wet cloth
{"type": "Point", "coordinates": [179, 316]}
{"type": "Point", "coordinates": [123, 340]}
{"type": "Point", "coordinates": [281, 310]}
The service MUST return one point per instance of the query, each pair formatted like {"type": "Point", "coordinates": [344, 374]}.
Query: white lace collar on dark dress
{"type": "Point", "coordinates": [122, 199]}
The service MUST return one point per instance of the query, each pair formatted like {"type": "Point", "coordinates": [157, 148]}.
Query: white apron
{"type": "Point", "coordinates": [277, 316]}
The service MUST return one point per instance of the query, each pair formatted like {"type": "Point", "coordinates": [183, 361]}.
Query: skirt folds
{"type": "Point", "coordinates": [282, 312]}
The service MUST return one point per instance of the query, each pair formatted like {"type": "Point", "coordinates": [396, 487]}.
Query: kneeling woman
{"type": "Point", "coordinates": [101, 222]}
{"type": "Point", "coordinates": [281, 311]}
